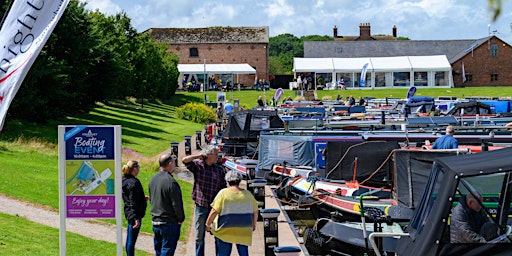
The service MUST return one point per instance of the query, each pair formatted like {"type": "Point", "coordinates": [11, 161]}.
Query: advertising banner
{"type": "Point", "coordinates": [89, 171]}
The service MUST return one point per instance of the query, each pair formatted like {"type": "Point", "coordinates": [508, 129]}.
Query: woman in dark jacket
{"type": "Point", "coordinates": [134, 204]}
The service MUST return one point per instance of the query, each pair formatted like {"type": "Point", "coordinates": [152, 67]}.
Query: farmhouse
{"type": "Point", "coordinates": [218, 45]}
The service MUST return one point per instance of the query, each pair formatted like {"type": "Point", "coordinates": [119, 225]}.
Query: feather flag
{"type": "Point", "coordinates": [26, 27]}
{"type": "Point", "coordinates": [363, 75]}
{"type": "Point", "coordinates": [463, 73]}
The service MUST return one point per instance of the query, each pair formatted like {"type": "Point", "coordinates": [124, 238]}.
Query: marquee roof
{"type": "Point", "coordinates": [243, 68]}
{"type": "Point", "coordinates": [375, 64]}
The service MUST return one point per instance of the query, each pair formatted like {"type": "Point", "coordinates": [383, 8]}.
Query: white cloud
{"type": "Point", "coordinates": [105, 6]}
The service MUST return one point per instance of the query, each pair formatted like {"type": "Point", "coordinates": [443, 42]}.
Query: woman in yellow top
{"type": "Point", "coordinates": [234, 214]}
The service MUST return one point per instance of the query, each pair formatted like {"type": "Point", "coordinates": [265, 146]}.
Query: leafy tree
{"type": "Point", "coordinates": [283, 48]}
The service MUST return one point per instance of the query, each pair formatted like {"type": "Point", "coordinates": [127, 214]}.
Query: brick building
{"type": "Point", "coordinates": [219, 45]}
{"type": "Point", "coordinates": [486, 60]}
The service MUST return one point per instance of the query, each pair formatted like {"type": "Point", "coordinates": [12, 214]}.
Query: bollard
{"type": "Point", "coordinates": [188, 146]}
{"type": "Point", "coordinates": [198, 139]}
{"type": "Point", "coordinates": [175, 150]}
{"type": "Point", "coordinates": [287, 251]}
{"type": "Point", "coordinates": [257, 188]}
{"type": "Point", "coordinates": [270, 230]}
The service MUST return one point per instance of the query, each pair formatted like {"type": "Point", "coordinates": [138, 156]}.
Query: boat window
{"type": "Point", "coordinates": [428, 200]}
{"type": "Point", "coordinates": [474, 215]}
{"type": "Point", "coordinates": [240, 120]}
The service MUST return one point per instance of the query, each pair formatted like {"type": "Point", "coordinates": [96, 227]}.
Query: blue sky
{"type": "Point", "coordinates": [416, 19]}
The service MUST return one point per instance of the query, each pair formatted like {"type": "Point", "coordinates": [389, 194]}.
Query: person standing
{"type": "Point", "coordinates": [166, 207]}
{"type": "Point", "coordinates": [234, 214]}
{"type": "Point", "coordinates": [134, 204]}
{"type": "Point", "coordinates": [299, 82]}
{"type": "Point", "coordinates": [208, 181]}
{"type": "Point", "coordinates": [260, 101]}
{"type": "Point", "coordinates": [228, 107]}
{"type": "Point", "coordinates": [446, 141]}
{"type": "Point", "coordinates": [220, 111]}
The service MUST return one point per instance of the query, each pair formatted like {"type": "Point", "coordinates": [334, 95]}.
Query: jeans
{"type": "Point", "coordinates": [131, 238]}
{"type": "Point", "coordinates": [224, 249]}
{"type": "Point", "coordinates": [201, 215]}
{"type": "Point", "coordinates": [166, 238]}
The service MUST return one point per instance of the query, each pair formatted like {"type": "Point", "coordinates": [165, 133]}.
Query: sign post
{"type": "Point", "coordinates": [90, 176]}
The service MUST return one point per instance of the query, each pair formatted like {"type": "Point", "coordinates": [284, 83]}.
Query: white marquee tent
{"type": "Point", "coordinates": [436, 69]}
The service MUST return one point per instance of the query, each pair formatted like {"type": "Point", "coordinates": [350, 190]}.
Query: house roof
{"type": "Point", "coordinates": [359, 49]}
{"type": "Point", "coordinates": [210, 35]}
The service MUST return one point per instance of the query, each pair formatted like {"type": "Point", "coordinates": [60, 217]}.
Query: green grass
{"type": "Point", "coordinates": [248, 97]}
{"type": "Point", "coordinates": [20, 236]}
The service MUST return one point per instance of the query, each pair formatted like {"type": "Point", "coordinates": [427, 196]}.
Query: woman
{"type": "Point", "coordinates": [134, 204]}
{"type": "Point", "coordinates": [234, 214]}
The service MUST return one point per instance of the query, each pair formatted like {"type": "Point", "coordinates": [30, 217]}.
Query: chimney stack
{"type": "Point", "coordinates": [335, 31]}
{"type": "Point", "coordinates": [364, 31]}
{"type": "Point", "coordinates": [394, 31]}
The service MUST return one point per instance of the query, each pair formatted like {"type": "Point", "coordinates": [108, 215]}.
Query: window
{"type": "Point", "coordinates": [494, 50]}
{"type": "Point", "coordinates": [428, 200]}
{"type": "Point", "coordinates": [469, 77]}
{"type": "Point", "coordinates": [440, 78]}
{"type": "Point", "coordinates": [193, 52]}
{"type": "Point", "coordinates": [380, 79]}
{"type": "Point", "coordinates": [401, 78]}
{"type": "Point", "coordinates": [494, 77]}
{"type": "Point", "coordinates": [485, 193]}
{"type": "Point", "coordinates": [420, 79]}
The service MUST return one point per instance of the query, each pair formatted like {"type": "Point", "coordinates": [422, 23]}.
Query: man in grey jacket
{"type": "Point", "coordinates": [467, 219]}
{"type": "Point", "coordinates": [166, 207]}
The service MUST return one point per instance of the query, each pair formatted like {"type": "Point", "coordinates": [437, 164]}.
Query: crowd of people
{"type": "Point", "coordinates": [222, 207]}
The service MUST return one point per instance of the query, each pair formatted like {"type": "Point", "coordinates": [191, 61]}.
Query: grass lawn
{"type": "Point", "coordinates": [22, 237]}
{"type": "Point", "coordinates": [247, 98]}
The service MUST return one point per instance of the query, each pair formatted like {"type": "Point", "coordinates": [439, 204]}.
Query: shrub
{"type": "Point", "coordinates": [197, 113]}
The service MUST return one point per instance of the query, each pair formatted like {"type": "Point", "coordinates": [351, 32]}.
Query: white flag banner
{"type": "Point", "coordinates": [362, 81]}
{"type": "Point", "coordinates": [464, 73]}
{"type": "Point", "coordinates": [26, 28]}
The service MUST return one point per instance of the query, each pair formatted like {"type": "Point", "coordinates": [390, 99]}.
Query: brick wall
{"type": "Point", "coordinates": [230, 53]}
{"type": "Point", "coordinates": [481, 65]}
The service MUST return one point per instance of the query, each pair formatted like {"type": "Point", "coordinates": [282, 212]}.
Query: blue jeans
{"type": "Point", "coordinates": [224, 249]}
{"type": "Point", "coordinates": [201, 215]}
{"type": "Point", "coordinates": [131, 238]}
{"type": "Point", "coordinates": [166, 238]}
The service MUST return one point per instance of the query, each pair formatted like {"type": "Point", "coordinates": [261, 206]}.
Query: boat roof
{"type": "Point", "coordinates": [477, 164]}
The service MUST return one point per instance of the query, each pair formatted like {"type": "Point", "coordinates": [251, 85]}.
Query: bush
{"type": "Point", "coordinates": [197, 113]}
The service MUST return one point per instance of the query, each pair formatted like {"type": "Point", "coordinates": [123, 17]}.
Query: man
{"type": "Point", "coordinates": [228, 107]}
{"type": "Point", "coordinates": [467, 220]}
{"type": "Point", "coordinates": [208, 181]}
{"type": "Point", "coordinates": [166, 207]}
{"type": "Point", "coordinates": [446, 141]}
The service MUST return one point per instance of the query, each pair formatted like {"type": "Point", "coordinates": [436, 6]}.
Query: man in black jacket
{"type": "Point", "coordinates": [166, 207]}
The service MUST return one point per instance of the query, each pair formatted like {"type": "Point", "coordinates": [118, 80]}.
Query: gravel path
{"type": "Point", "coordinates": [87, 228]}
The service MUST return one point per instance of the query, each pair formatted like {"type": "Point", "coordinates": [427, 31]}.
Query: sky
{"type": "Point", "coordinates": [415, 19]}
